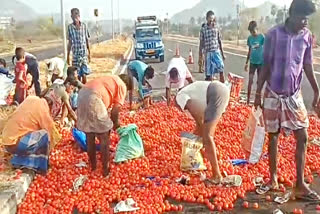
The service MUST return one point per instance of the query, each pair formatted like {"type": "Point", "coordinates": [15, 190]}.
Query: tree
{"type": "Point", "coordinates": [192, 21]}
{"type": "Point", "coordinates": [273, 10]}
{"type": "Point", "coordinates": [224, 21]}
{"type": "Point", "coordinates": [199, 20]}
{"type": "Point", "coordinates": [261, 20]}
{"type": "Point", "coordinates": [229, 18]}
{"type": "Point", "coordinates": [280, 16]}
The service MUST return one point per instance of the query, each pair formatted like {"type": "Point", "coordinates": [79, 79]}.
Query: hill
{"type": "Point", "coordinates": [221, 9]}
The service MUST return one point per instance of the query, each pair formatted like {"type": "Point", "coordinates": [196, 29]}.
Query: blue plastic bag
{"type": "Point", "coordinates": [81, 139]}
{"type": "Point", "coordinates": [74, 100]}
{"type": "Point", "coordinates": [237, 162]}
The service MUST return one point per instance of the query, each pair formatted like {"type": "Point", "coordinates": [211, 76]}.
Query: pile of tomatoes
{"type": "Point", "coordinates": [151, 181]}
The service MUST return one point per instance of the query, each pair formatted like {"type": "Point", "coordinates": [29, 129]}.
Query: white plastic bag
{"type": "Point", "coordinates": [254, 136]}
{"type": "Point", "coordinates": [6, 85]}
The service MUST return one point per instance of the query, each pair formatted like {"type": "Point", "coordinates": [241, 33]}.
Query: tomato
{"type": "Point", "coordinates": [268, 198]}
{"type": "Point", "coordinates": [255, 205]}
{"type": "Point", "coordinates": [151, 179]}
{"type": "Point", "coordinates": [245, 204]}
{"type": "Point", "coordinates": [297, 211]}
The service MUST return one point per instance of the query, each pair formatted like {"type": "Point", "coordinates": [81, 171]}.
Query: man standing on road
{"type": "Point", "coordinates": [255, 43]}
{"type": "Point", "coordinates": [287, 53]}
{"type": "Point", "coordinates": [33, 70]}
{"type": "Point", "coordinates": [176, 75]}
{"type": "Point", "coordinates": [79, 42]}
{"type": "Point", "coordinates": [210, 42]}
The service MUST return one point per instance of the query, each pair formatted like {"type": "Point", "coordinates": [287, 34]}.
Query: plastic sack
{"type": "Point", "coordinates": [254, 136]}
{"type": "Point", "coordinates": [81, 138]}
{"type": "Point", "coordinates": [6, 85]}
{"type": "Point", "coordinates": [130, 145]}
{"type": "Point", "coordinates": [191, 158]}
{"type": "Point", "coordinates": [74, 100]}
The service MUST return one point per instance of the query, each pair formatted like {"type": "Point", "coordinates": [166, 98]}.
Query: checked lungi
{"type": "Point", "coordinates": [284, 112]}
{"type": "Point", "coordinates": [32, 151]}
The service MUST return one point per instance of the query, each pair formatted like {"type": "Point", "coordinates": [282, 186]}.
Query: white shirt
{"type": "Point", "coordinates": [196, 91]}
{"type": "Point", "coordinates": [183, 72]}
{"type": "Point", "coordinates": [55, 66]}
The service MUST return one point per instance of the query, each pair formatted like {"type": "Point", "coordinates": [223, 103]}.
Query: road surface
{"type": "Point", "coordinates": [234, 64]}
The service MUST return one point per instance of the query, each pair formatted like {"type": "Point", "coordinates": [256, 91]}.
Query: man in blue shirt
{"type": "Point", "coordinates": [255, 54]}
{"type": "Point", "coordinates": [142, 73]}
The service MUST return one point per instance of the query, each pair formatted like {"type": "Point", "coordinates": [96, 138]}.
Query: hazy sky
{"type": "Point", "coordinates": [128, 8]}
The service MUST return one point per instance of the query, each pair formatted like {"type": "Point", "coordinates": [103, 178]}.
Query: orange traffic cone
{"type": "Point", "coordinates": [177, 50]}
{"type": "Point", "coordinates": [191, 61]}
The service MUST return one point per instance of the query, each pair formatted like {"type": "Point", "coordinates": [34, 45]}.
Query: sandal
{"type": "Point", "coordinates": [311, 197]}
{"type": "Point", "coordinates": [263, 189]}
{"type": "Point", "coordinates": [209, 182]}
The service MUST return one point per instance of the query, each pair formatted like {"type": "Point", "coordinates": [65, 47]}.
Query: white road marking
{"type": "Point", "coordinates": [231, 53]}
{"type": "Point", "coordinates": [170, 50]}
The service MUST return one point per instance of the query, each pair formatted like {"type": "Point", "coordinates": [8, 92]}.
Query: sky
{"type": "Point", "coordinates": [128, 8]}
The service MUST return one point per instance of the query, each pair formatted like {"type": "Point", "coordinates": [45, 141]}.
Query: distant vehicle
{"type": "Point", "coordinates": [148, 39]}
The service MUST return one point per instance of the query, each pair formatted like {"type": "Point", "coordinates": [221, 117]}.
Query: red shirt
{"type": "Point", "coordinates": [20, 68]}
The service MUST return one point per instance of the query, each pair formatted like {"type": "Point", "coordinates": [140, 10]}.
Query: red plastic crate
{"type": "Point", "coordinates": [236, 85]}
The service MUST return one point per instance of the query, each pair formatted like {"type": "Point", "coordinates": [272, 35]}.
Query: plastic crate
{"type": "Point", "coordinates": [236, 85]}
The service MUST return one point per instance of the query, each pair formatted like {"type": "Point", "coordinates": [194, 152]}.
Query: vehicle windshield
{"type": "Point", "coordinates": [147, 32]}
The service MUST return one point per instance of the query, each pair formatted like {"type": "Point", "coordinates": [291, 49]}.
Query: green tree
{"type": "Point", "coordinates": [199, 20]}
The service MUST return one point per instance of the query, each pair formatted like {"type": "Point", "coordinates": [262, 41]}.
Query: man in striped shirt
{"type": "Point", "coordinates": [79, 42]}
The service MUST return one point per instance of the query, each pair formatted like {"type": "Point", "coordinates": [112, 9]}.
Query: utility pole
{"type": "Point", "coordinates": [167, 23]}
{"type": "Point", "coordinates": [284, 13]}
{"type": "Point", "coordinates": [64, 33]}
{"type": "Point", "coordinates": [238, 17]}
{"type": "Point", "coordinates": [112, 19]}
{"type": "Point", "coordinates": [119, 20]}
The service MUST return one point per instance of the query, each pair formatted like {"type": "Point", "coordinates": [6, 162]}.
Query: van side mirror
{"type": "Point", "coordinates": [134, 35]}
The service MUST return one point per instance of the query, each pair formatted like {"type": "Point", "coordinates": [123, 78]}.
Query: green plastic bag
{"type": "Point", "coordinates": [130, 145]}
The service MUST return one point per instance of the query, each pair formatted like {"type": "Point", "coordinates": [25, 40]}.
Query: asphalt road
{"type": "Point", "coordinates": [234, 64]}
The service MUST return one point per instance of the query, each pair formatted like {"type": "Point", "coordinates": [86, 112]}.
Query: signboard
{"type": "Point", "coordinates": [6, 21]}
{"type": "Point", "coordinates": [96, 12]}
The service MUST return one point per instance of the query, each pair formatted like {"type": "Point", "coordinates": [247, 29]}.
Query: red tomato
{"type": "Point", "coordinates": [297, 211]}
{"type": "Point", "coordinates": [245, 204]}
